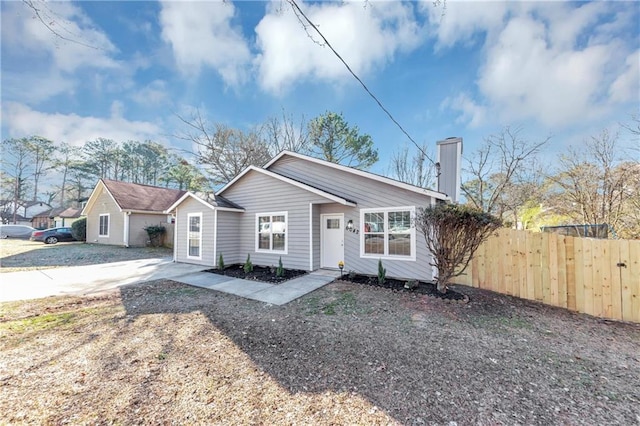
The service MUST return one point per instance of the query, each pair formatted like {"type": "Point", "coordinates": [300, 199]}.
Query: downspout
{"type": "Point", "coordinates": [215, 237]}
{"type": "Point", "coordinates": [175, 238]}
{"type": "Point", "coordinates": [310, 236]}
{"type": "Point", "coordinates": [126, 228]}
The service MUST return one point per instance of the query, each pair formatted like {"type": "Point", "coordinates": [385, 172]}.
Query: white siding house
{"type": "Point", "coordinates": [311, 214]}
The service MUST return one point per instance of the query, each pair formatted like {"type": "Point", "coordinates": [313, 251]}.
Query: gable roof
{"type": "Point", "coordinates": [136, 197]}
{"type": "Point", "coordinates": [218, 202]}
{"type": "Point", "coordinates": [362, 173]}
{"type": "Point", "coordinates": [302, 185]}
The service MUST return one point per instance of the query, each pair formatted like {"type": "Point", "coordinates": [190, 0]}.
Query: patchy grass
{"type": "Point", "coordinates": [344, 354]}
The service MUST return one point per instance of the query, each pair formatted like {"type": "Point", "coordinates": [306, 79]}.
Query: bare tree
{"type": "Point", "coordinates": [283, 133]}
{"type": "Point", "coordinates": [223, 151]}
{"type": "Point", "coordinates": [67, 155]}
{"type": "Point", "coordinates": [416, 169]}
{"type": "Point", "coordinates": [596, 181]}
{"type": "Point", "coordinates": [502, 173]}
{"type": "Point", "coordinates": [16, 159]}
{"type": "Point", "coordinates": [40, 151]}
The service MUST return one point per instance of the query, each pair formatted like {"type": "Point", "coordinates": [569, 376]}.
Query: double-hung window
{"type": "Point", "coordinates": [271, 232]}
{"type": "Point", "coordinates": [388, 233]}
{"type": "Point", "coordinates": [194, 235]}
{"type": "Point", "coordinates": [103, 230]}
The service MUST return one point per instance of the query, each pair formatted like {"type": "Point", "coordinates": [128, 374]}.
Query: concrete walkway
{"type": "Point", "coordinates": [84, 280]}
{"type": "Point", "coordinates": [276, 294]}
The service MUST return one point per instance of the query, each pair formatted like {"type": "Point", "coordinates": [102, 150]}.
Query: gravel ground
{"type": "Point", "coordinates": [164, 353]}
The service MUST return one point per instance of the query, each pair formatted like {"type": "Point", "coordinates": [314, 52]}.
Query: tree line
{"type": "Point", "coordinates": [597, 182]}
{"type": "Point", "coordinates": [216, 153]}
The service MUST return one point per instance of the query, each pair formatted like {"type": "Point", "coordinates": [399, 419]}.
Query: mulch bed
{"type": "Point", "coordinates": [423, 287]}
{"type": "Point", "coordinates": [260, 273]}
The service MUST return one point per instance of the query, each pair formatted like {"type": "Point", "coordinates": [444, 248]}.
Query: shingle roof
{"type": "Point", "coordinates": [133, 196]}
{"type": "Point", "coordinates": [70, 213]}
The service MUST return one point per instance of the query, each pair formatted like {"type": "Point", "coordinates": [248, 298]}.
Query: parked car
{"type": "Point", "coordinates": [15, 231]}
{"type": "Point", "coordinates": [53, 235]}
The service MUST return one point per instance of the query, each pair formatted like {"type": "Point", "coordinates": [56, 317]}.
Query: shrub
{"type": "Point", "coordinates": [156, 235]}
{"type": "Point", "coordinates": [220, 262]}
{"type": "Point", "coordinates": [79, 229]}
{"type": "Point", "coordinates": [280, 269]}
{"type": "Point", "coordinates": [382, 273]}
{"type": "Point", "coordinates": [453, 234]}
{"type": "Point", "coordinates": [248, 266]}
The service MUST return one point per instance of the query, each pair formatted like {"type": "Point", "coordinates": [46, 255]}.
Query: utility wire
{"type": "Point", "coordinates": [299, 13]}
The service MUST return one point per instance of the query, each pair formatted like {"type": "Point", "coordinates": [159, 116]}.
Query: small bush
{"type": "Point", "coordinates": [280, 269]}
{"type": "Point", "coordinates": [156, 235]}
{"type": "Point", "coordinates": [382, 273]}
{"type": "Point", "coordinates": [248, 266]}
{"type": "Point", "coordinates": [79, 229]}
{"type": "Point", "coordinates": [220, 262]}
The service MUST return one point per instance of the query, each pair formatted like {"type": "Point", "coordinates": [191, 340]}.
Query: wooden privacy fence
{"type": "Point", "coordinates": [596, 277]}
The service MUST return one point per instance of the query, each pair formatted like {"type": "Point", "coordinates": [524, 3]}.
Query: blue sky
{"type": "Point", "coordinates": [566, 70]}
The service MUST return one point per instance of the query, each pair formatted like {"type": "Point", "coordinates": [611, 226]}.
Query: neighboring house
{"type": "Point", "coordinates": [24, 213]}
{"type": "Point", "coordinates": [66, 217]}
{"type": "Point", "coordinates": [57, 217]}
{"type": "Point", "coordinates": [117, 212]}
{"type": "Point", "coordinates": [312, 214]}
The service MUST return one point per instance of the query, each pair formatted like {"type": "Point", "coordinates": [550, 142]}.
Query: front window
{"type": "Point", "coordinates": [387, 233]}
{"type": "Point", "coordinates": [271, 232]}
{"type": "Point", "coordinates": [194, 235]}
{"type": "Point", "coordinates": [103, 230]}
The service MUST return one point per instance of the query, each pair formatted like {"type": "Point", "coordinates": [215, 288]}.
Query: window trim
{"type": "Point", "coordinates": [286, 232]}
{"type": "Point", "coordinates": [386, 211]}
{"type": "Point", "coordinates": [108, 216]}
{"type": "Point", "coordinates": [189, 216]}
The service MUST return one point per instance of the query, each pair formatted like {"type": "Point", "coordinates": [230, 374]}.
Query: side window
{"type": "Point", "coordinates": [103, 230]}
{"type": "Point", "coordinates": [194, 235]}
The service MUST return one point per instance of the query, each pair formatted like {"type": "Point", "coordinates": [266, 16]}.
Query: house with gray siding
{"type": "Point", "coordinates": [118, 212]}
{"type": "Point", "coordinates": [312, 214]}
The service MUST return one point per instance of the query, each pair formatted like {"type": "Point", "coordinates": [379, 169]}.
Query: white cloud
{"type": "Point", "coordinates": [627, 86]}
{"type": "Point", "coordinates": [366, 37]}
{"type": "Point", "coordinates": [556, 63]}
{"type": "Point", "coordinates": [202, 34]}
{"type": "Point", "coordinates": [153, 94]}
{"type": "Point", "coordinates": [460, 22]}
{"type": "Point", "coordinates": [20, 120]}
{"type": "Point", "coordinates": [36, 86]}
{"type": "Point", "coordinates": [89, 47]}
{"type": "Point", "coordinates": [471, 113]}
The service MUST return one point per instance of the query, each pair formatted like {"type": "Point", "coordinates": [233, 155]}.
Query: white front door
{"type": "Point", "coordinates": [332, 244]}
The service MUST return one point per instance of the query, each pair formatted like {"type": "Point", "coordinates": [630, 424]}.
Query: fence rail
{"type": "Point", "coordinates": [596, 277]}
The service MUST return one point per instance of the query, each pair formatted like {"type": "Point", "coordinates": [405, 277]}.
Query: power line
{"type": "Point", "coordinates": [299, 13]}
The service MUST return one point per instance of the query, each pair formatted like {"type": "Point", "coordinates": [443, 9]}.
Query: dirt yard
{"type": "Point", "coordinates": [167, 353]}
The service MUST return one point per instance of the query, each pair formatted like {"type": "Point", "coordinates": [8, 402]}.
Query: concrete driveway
{"type": "Point", "coordinates": [82, 280]}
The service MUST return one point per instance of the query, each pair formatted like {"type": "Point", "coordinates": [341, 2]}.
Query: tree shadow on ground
{"type": "Point", "coordinates": [420, 361]}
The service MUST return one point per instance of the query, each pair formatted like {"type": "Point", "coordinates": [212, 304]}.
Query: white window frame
{"type": "Point", "coordinates": [286, 233]}
{"type": "Point", "coordinates": [108, 216]}
{"type": "Point", "coordinates": [199, 216]}
{"type": "Point", "coordinates": [386, 211]}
